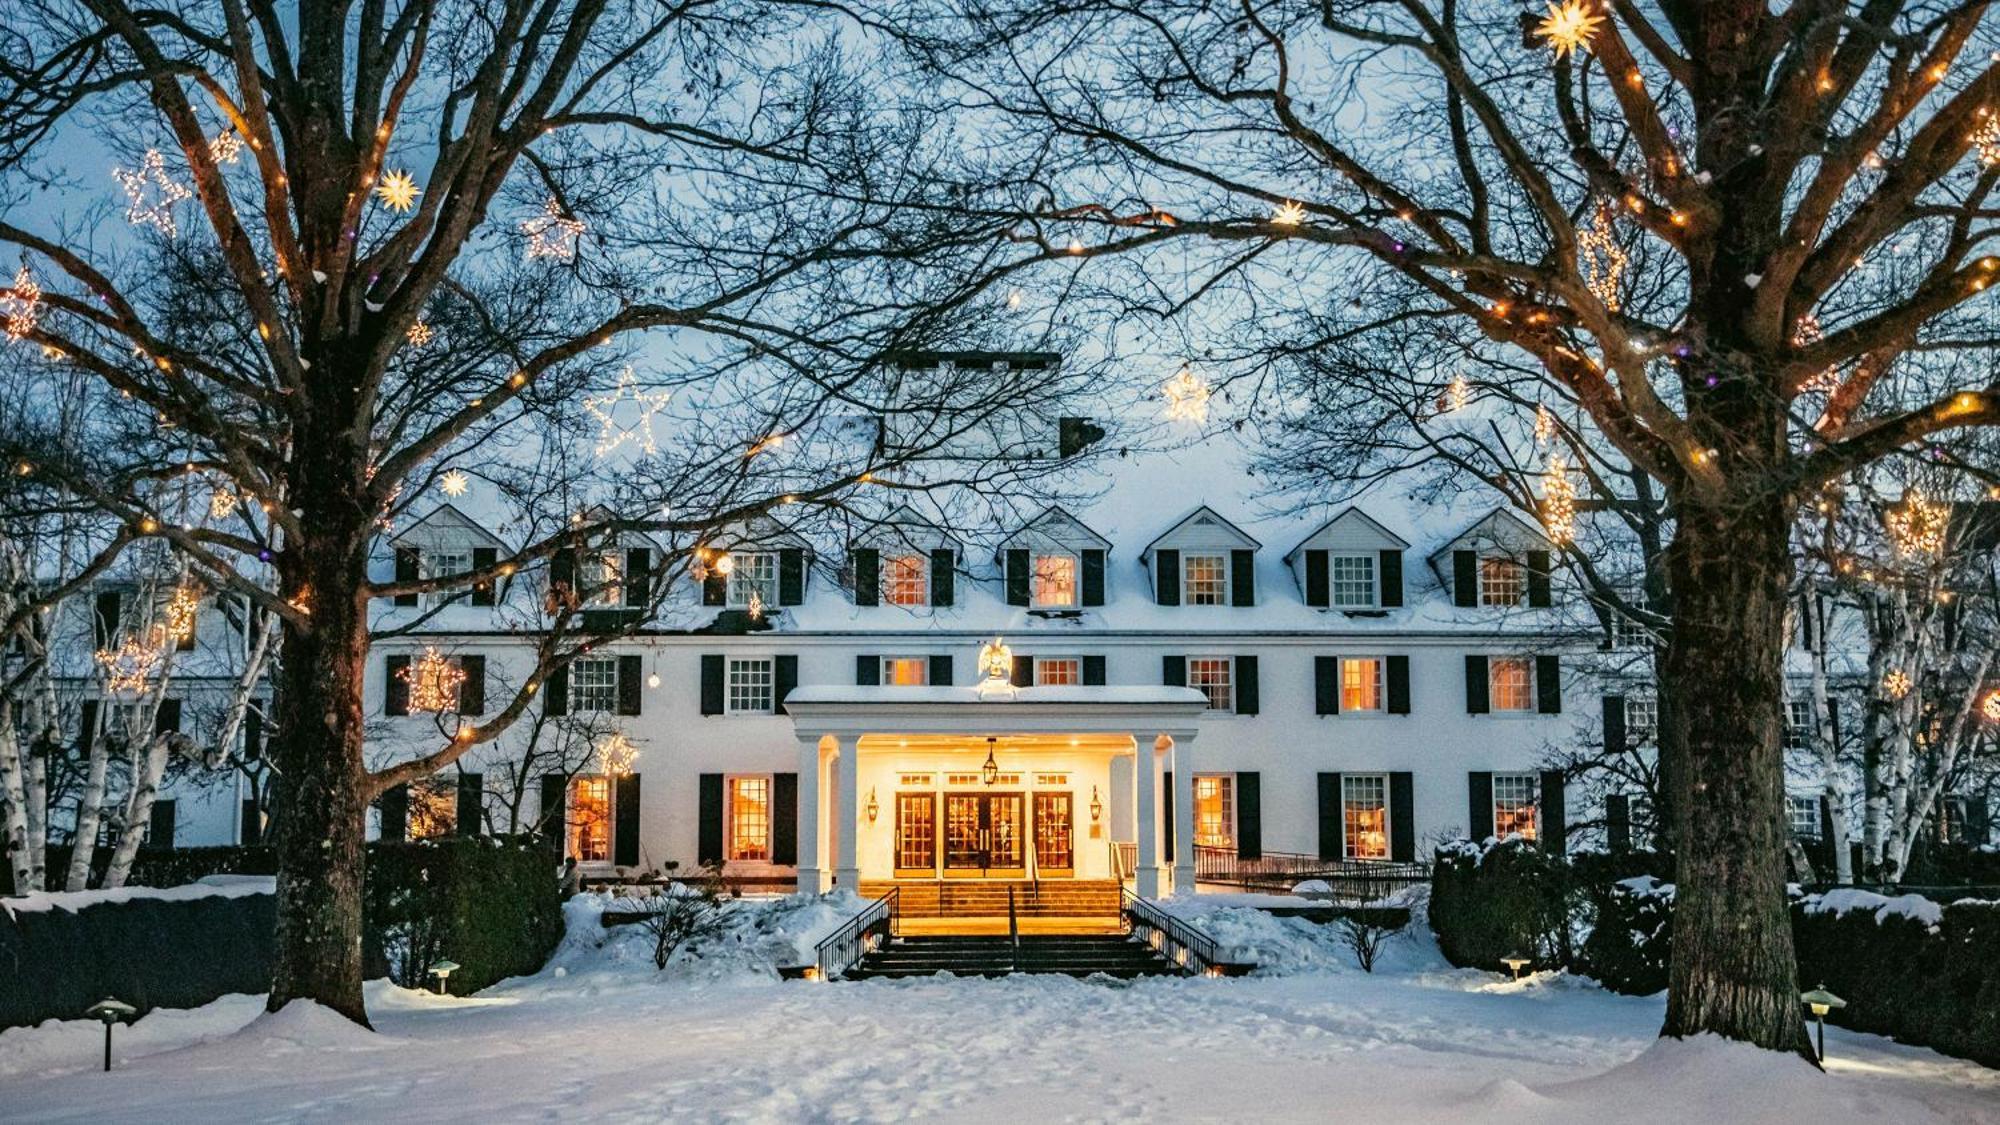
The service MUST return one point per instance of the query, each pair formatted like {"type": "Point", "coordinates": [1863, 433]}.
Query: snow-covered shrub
{"type": "Point", "coordinates": [1511, 899]}
{"type": "Point", "coordinates": [1367, 932]}
{"type": "Point", "coordinates": [681, 914]}
{"type": "Point", "coordinates": [1631, 934]}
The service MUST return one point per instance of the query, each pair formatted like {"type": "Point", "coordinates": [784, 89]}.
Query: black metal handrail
{"type": "Point", "coordinates": [1191, 950]}
{"type": "Point", "coordinates": [843, 948]}
{"type": "Point", "coordinates": [1355, 880]}
{"type": "Point", "coordinates": [1014, 929]}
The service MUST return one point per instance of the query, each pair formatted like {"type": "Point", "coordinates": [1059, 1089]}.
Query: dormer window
{"type": "Point", "coordinates": [443, 563]}
{"type": "Point", "coordinates": [604, 579]}
{"type": "Point", "coordinates": [1204, 579]}
{"type": "Point", "coordinates": [1503, 581]}
{"type": "Point", "coordinates": [906, 580]}
{"type": "Point", "coordinates": [753, 574]}
{"type": "Point", "coordinates": [1054, 581]}
{"type": "Point", "coordinates": [1353, 581]}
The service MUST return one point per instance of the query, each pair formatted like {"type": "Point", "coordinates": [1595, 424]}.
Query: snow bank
{"type": "Point", "coordinates": [759, 936]}
{"type": "Point", "coordinates": [1295, 946]}
{"type": "Point", "coordinates": [210, 886]}
{"type": "Point", "coordinates": [1707, 1078]}
{"type": "Point", "coordinates": [1842, 900]}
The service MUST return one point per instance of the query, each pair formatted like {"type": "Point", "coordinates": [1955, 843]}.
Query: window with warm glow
{"type": "Point", "coordinates": [906, 671]}
{"type": "Point", "coordinates": [753, 574]}
{"type": "Point", "coordinates": [593, 684]}
{"type": "Point", "coordinates": [1210, 675]}
{"type": "Point", "coordinates": [1054, 580]}
{"type": "Point", "coordinates": [604, 578]}
{"type": "Point", "coordinates": [749, 818]}
{"type": "Point", "coordinates": [1214, 814]}
{"type": "Point", "coordinates": [1365, 815]}
{"type": "Point", "coordinates": [906, 580]}
{"type": "Point", "coordinates": [1502, 581]}
{"type": "Point", "coordinates": [1512, 683]}
{"type": "Point", "coordinates": [1514, 801]}
{"type": "Point", "coordinates": [1205, 579]}
{"type": "Point", "coordinates": [1353, 581]}
{"type": "Point", "coordinates": [1361, 684]}
{"type": "Point", "coordinates": [590, 819]}
{"type": "Point", "coordinates": [751, 685]}
{"type": "Point", "coordinates": [433, 809]}
{"type": "Point", "coordinates": [1058, 671]}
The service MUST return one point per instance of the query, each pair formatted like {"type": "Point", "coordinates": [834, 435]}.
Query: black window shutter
{"type": "Point", "coordinates": [1398, 669]}
{"type": "Point", "coordinates": [1479, 807]}
{"type": "Point", "coordinates": [1538, 578]}
{"type": "Point", "coordinates": [1614, 724]}
{"type": "Point", "coordinates": [562, 567]}
{"type": "Point", "coordinates": [1555, 818]}
{"type": "Point", "coordinates": [638, 577]}
{"type": "Point", "coordinates": [472, 689]}
{"type": "Point", "coordinates": [1389, 572]}
{"type": "Point", "coordinates": [160, 823]}
{"type": "Point", "coordinates": [167, 717]}
{"type": "Point", "coordinates": [1246, 685]}
{"type": "Point", "coordinates": [253, 732]}
{"type": "Point", "coordinates": [1167, 577]}
{"type": "Point", "coordinates": [1319, 581]}
{"type": "Point", "coordinates": [944, 573]}
{"type": "Point", "coordinates": [941, 669]}
{"type": "Point", "coordinates": [1478, 694]}
{"type": "Point", "coordinates": [1024, 671]}
{"type": "Point", "coordinates": [867, 576]}
{"type": "Point", "coordinates": [555, 808]}
{"type": "Point", "coordinates": [631, 676]}
{"type": "Point", "coordinates": [555, 692]}
{"type": "Point", "coordinates": [471, 808]}
{"type": "Point", "coordinates": [1093, 576]}
{"type": "Point", "coordinates": [86, 730]}
{"type": "Point", "coordinates": [1326, 685]}
{"type": "Point", "coordinates": [1548, 684]}
{"type": "Point", "coordinates": [1329, 816]}
{"type": "Point", "coordinates": [625, 820]}
{"type": "Point", "coordinates": [867, 670]}
{"type": "Point", "coordinates": [250, 828]}
{"type": "Point", "coordinates": [1017, 577]}
{"type": "Point", "coordinates": [1167, 816]}
{"type": "Point", "coordinates": [784, 677]}
{"type": "Point", "coordinates": [406, 571]}
{"type": "Point", "coordinates": [792, 576]}
{"type": "Point", "coordinates": [1093, 670]}
{"type": "Point", "coordinates": [711, 684]}
{"type": "Point", "coordinates": [1249, 817]}
{"type": "Point", "coordinates": [785, 819]}
{"type": "Point", "coordinates": [1464, 578]}
{"type": "Point", "coordinates": [395, 808]}
{"type": "Point", "coordinates": [1978, 822]}
{"type": "Point", "coordinates": [395, 688]}
{"type": "Point", "coordinates": [1618, 822]}
{"type": "Point", "coordinates": [714, 588]}
{"type": "Point", "coordinates": [1242, 578]}
{"type": "Point", "coordinates": [484, 558]}
{"type": "Point", "coordinates": [1402, 817]}
{"type": "Point", "coordinates": [1173, 671]}
{"type": "Point", "coordinates": [1833, 720]}
{"type": "Point", "coordinates": [709, 847]}
{"type": "Point", "coordinates": [107, 614]}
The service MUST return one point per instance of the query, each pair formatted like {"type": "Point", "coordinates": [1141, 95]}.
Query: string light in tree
{"type": "Point", "coordinates": [1991, 708]}
{"type": "Point", "coordinates": [181, 612]}
{"type": "Point", "coordinates": [616, 755]}
{"type": "Point", "coordinates": [553, 234]}
{"type": "Point", "coordinates": [227, 147]}
{"type": "Point", "coordinates": [1187, 397]}
{"type": "Point", "coordinates": [419, 334]}
{"type": "Point", "coordinates": [1558, 499]}
{"type": "Point", "coordinates": [1603, 260]}
{"type": "Point", "coordinates": [221, 503]}
{"type": "Point", "coordinates": [433, 681]}
{"type": "Point", "coordinates": [1897, 684]}
{"type": "Point", "coordinates": [1917, 526]}
{"type": "Point", "coordinates": [1545, 424]}
{"type": "Point", "coordinates": [755, 607]}
{"type": "Point", "coordinates": [1987, 137]}
{"type": "Point", "coordinates": [22, 306]}
{"type": "Point", "coordinates": [611, 435]}
{"type": "Point", "coordinates": [129, 667]}
{"type": "Point", "coordinates": [398, 191]}
{"type": "Point", "coordinates": [454, 483]}
{"type": "Point", "coordinates": [1569, 27]}
{"type": "Point", "coordinates": [1014, 299]}
{"type": "Point", "coordinates": [1457, 394]}
{"type": "Point", "coordinates": [1290, 214]}
{"type": "Point", "coordinates": [151, 194]}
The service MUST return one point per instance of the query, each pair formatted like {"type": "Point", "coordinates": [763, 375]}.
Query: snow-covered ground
{"type": "Point", "coordinates": [599, 1035]}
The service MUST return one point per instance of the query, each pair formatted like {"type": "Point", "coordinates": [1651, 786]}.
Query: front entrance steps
{"type": "Point", "coordinates": [1096, 900]}
{"type": "Point", "coordinates": [1077, 955]}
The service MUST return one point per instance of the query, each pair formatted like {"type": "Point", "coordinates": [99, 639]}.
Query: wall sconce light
{"type": "Point", "coordinates": [874, 807]}
{"type": "Point", "coordinates": [1096, 806]}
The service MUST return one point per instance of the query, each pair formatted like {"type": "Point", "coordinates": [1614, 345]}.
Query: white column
{"type": "Point", "coordinates": [1146, 822]}
{"type": "Point", "coordinates": [1184, 814]}
{"type": "Point", "coordinates": [813, 878]}
{"type": "Point", "coordinates": [847, 868]}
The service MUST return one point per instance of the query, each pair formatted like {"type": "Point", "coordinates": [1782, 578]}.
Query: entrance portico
{"type": "Point", "coordinates": [895, 783]}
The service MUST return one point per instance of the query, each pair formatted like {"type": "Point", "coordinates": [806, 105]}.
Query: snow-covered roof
{"type": "Point", "coordinates": [1355, 523]}
{"type": "Point", "coordinates": [1055, 526]}
{"type": "Point", "coordinates": [1206, 519]}
{"type": "Point", "coordinates": [1500, 528]}
{"type": "Point", "coordinates": [446, 524]}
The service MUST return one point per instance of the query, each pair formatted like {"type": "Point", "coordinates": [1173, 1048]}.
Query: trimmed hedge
{"type": "Point", "coordinates": [163, 867]}
{"type": "Point", "coordinates": [1631, 935]}
{"type": "Point", "coordinates": [1509, 900]}
{"type": "Point", "coordinates": [1938, 986]}
{"type": "Point", "coordinates": [491, 904]}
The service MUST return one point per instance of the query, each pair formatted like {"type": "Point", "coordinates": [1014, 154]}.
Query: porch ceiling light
{"type": "Point", "coordinates": [990, 772]}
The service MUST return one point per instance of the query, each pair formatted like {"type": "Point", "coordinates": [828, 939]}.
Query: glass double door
{"type": "Point", "coordinates": [984, 835]}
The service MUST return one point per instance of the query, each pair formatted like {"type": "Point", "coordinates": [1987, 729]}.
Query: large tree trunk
{"type": "Point", "coordinates": [1733, 972]}
{"type": "Point", "coordinates": [14, 803]}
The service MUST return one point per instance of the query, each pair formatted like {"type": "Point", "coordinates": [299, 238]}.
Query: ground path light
{"type": "Point", "coordinates": [110, 1011]}
{"type": "Point", "coordinates": [1819, 1001]}
{"type": "Point", "coordinates": [1515, 965]}
{"type": "Point", "coordinates": [442, 970]}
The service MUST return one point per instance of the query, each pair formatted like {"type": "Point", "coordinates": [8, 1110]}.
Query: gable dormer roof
{"type": "Point", "coordinates": [905, 528]}
{"type": "Point", "coordinates": [626, 538]}
{"type": "Point", "coordinates": [1055, 525]}
{"type": "Point", "coordinates": [445, 524]}
{"type": "Point", "coordinates": [1500, 528]}
{"type": "Point", "coordinates": [1351, 528]}
{"type": "Point", "coordinates": [757, 533]}
{"type": "Point", "coordinates": [1206, 519]}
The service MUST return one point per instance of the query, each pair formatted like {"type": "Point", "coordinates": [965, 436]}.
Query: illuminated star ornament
{"type": "Point", "coordinates": [151, 194]}
{"type": "Point", "coordinates": [1290, 215]}
{"type": "Point", "coordinates": [1917, 526]}
{"type": "Point", "coordinates": [1604, 260]}
{"type": "Point", "coordinates": [1991, 709]}
{"type": "Point", "coordinates": [433, 681]}
{"type": "Point", "coordinates": [612, 436]}
{"type": "Point", "coordinates": [397, 191]}
{"type": "Point", "coordinates": [454, 483]}
{"type": "Point", "coordinates": [1187, 397]}
{"type": "Point", "coordinates": [221, 503]}
{"type": "Point", "coordinates": [22, 306]}
{"type": "Point", "coordinates": [616, 755]}
{"type": "Point", "coordinates": [1559, 499]}
{"type": "Point", "coordinates": [552, 234]}
{"type": "Point", "coordinates": [1987, 138]}
{"type": "Point", "coordinates": [419, 334]}
{"type": "Point", "coordinates": [1569, 27]}
{"type": "Point", "coordinates": [227, 147]}
{"type": "Point", "coordinates": [1457, 394]}
{"type": "Point", "coordinates": [1897, 684]}
{"type": "Point", "coordinates": [129, 667]}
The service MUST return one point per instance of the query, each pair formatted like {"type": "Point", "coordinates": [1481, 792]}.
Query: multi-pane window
{"type": "Point", "coordinates": [1365, 815]}
{"type": "Point", "coordinates": [1502, 581]}
{"type": "Point", "coordinates": [444, 564]}
{"type": "Point", "coordinates": [433, 809]}
{"type": "Point", "coordinates": [1803, 814]}
{"type": "Point", "coordinates": [1058, 671]}
{"type": "Point", "coordinates": [604, 578]}
{"type": "Point", "coordinates": [1210, 675]}
{"type": "Point", "coordinates": [1204, 579]}
{"type": "Point", "coordinates": [906, 580]}
{"type": "Point", "coordinates": [1515, 796]}
{"type": "Point", "coordinates": [1214, 812]}
{"type": "Point", "coordinates": [755, 573]}
{"type": "Point", "coordinates": [906, 671]}
{"type": "Point", "coordinates": [751, 685]}
{"type": "Point", "coordinates": [1361, 684]}
{"type": "Point", "coordinates": [593, 684]}
{"type": "Point", "coordinates": [750, 818]}
{"type": "Point", "coordinates": [1799, 724]}
{"type": "Point", "coordinates": [1353, 578]}
{"type": "Point", "coordinates": [1511, 683]}
{"type": "Point", "coordinates": [1642, 719]}
{"type": "Point", "coordinates": [590, 818]}
{"type": "Point", "coordinates": [1054, 580]}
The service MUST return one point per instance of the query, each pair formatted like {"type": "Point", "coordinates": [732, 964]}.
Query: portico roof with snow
{"type": "Point", "coordinates": [1152, 710]}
